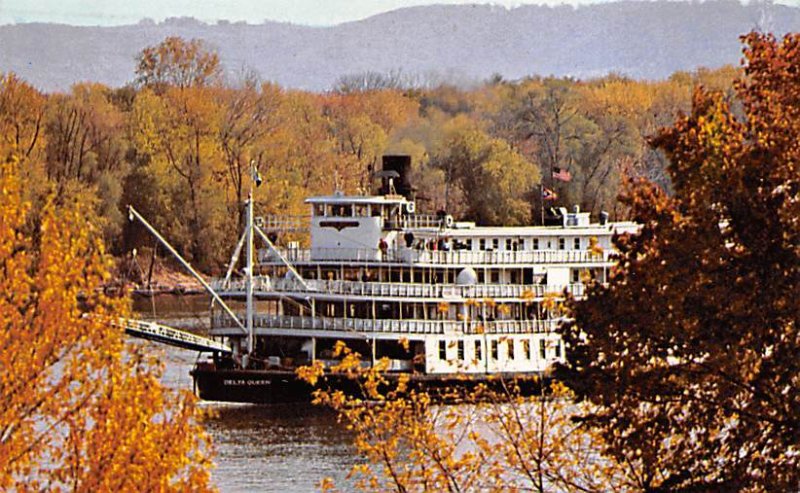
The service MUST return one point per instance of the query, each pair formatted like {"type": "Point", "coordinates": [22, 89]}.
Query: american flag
{"type": "Point", "coordinates": [561, 174]}
{"type": "Point", "coordinates": [548, 194]}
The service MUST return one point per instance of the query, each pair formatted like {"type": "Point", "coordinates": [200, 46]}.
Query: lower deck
{"type": "Point", "coordinates": [472, 354]}
{"type": "Point", "coordinates": [281, 386]}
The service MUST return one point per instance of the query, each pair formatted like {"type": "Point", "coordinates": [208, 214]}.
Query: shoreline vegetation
{"type": "Point", "coordinates": [154, 277]}
{"type": "Point", "coordinates": [177, 143]}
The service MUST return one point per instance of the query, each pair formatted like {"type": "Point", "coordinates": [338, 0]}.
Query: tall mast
{"type": "Point", "coordinates": [249, 268]}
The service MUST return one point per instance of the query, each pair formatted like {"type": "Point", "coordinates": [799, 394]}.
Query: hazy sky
{"type": "Point", "coordinates": [313, 12]}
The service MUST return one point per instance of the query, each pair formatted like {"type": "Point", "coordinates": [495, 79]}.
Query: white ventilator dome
{"type": "Point", "coordinates": [467, 277]}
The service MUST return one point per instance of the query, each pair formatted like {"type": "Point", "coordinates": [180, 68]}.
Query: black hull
{"type": "Point", "coordinates": [279, 386]}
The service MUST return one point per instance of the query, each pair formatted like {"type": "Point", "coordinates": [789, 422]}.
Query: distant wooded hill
{"type": "Point", "coordinates": [453, 43]}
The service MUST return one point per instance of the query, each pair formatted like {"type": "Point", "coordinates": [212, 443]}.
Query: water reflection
{"type": "Point", "coordinates": [277, 447]}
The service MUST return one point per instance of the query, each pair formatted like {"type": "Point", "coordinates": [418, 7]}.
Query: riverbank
{"type": "Point", "coordinates": [155, 277]}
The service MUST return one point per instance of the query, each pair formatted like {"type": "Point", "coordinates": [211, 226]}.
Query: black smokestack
{"type": "Point", "coordinates": [402, 166]}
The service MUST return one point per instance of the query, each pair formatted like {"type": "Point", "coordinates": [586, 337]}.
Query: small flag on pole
{"type": "Point", "coordinates": [548, 194]}
{"type": "Point", "coordinates": [561, 174]}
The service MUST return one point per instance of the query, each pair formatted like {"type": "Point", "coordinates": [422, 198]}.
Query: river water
{"type": "Point", "coordinates": [263, 448]}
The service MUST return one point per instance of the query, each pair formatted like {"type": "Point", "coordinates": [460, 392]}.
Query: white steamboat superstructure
{"type": "Point", "coordinates": [439, 298]}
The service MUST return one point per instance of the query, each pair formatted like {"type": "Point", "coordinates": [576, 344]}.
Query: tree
{"type": "Point", "coordinates": [248, 116]}
{"type": "Point", "coordinates": [79, 410]}
{"type": "Point", "coordinates": [361, 144]}
{"type": "Point", "coordinates": [85, 132]}
{"type": "Point", "coordinates": [178, 63]}
{"type": "Point", "coordinates": [493, 440]}
{"type": "Point", "coordinates": [371, 81]}
{"type": "Point", "coordinates": [22, 111]}
{"type": "Point", "coordinates": [496, 180]}
{"type": "Point", "coordinates": [179, 131]}
{"type": "Point", "coordinates": [691, 350]}
{"type": "Point", "coordinates": [361, 124]}
{"type": "Point", "coordinates": [567, 124]}
{"type": "Point", "coordinates": [22, 132]}
{"type": "Point", "coordinates": [86, 148]}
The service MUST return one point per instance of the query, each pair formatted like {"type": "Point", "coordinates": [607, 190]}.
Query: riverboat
{"type": "Point", "coordinates": [440, 299]}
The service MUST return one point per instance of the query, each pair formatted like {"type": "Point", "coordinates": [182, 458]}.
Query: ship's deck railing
{"type": "Point", "coordinates": [283, 223]}
{"type": "Point", "coordinates": [452, 257]}
{"type": "Point", "coordinates": [260, 284]}
{"type": "Point", "coordinates": [280, 223]}
{"type": "Point", "coordinates": [360, 325]}
{"type": "Point", "coordinates": [403, 290]}
{"type": "Point", "coordinates": [416, 221]}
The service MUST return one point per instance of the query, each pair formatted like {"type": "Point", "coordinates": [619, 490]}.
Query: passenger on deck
{"type": "Point", "coordinates": [383, 247]}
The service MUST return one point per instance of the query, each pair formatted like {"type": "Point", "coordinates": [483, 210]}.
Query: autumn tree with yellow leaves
{"type": "Point", "coordinates": [176, 62]}
{"type": "Point", "coordinates": [486, 437]}
{"type": "Point", "coordinates": [79, 410]}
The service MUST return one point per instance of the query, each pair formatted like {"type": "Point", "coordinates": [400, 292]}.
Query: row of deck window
{"type": "Point", "coordinates": [526, 350]}
{"type": "Point", "coordinates": [513, 245]}
{"type": "Point", "coordinates": [356, 210]}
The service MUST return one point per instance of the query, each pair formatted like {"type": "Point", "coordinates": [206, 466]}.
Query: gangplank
{"type": "Point", "coordinates": [171, 336]}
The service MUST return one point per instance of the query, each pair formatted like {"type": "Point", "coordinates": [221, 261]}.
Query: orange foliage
{"type": "Point", "coordinates": [691, 350]}
{"type": "Point", "coordinates": [492, 440]}
{"type": "Point", "coordinates": [78, 409]}
{"type": "Point", "coordinates": [179, 63]}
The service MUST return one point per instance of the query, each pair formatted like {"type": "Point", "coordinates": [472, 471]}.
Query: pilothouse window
{"type": "Point", "coordinates": [343, 210]}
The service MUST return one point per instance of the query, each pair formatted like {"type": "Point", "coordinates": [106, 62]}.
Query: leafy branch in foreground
{"type": "Point", "coordinates": [79, 410]}
{"type": "Point", "coordinates": [493, 439]}
{"type": "Point", "coordinates": [690, 354]}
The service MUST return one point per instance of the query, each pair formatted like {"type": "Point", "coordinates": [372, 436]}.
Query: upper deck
{"type": "Point", "coordinates": [428, 258]}
{"type": "Point", "coordinates": [386, 229]}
